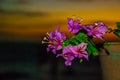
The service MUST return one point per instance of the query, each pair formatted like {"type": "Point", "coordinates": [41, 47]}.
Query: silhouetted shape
{"type": "Point", "coordinates": [13, 76]}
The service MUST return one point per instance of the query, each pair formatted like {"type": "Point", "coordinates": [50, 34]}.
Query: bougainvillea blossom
{"type": "Point", "coordinates": [54, 40]}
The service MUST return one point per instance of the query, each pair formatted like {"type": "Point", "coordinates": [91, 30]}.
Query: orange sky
{"type": "Point", "coordinates": [33, 21]}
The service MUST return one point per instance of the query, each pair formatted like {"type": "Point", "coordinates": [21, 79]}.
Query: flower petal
{"type": "Point", "coordinates": [54, 40]}
{"type": "Point", "coordinates": [70, 22]}
{"type": "Point", "coordinates": [67, 49]}
{"type": "Point", "coordinates": [63, 35]}
{"type": "Point", "coordinates": [75, 30]}
{"type": "Point", "coordinates": [48, 49]}
{"type": "Point", "coordinates": [68, 63]}
{"type": "Point", "coordinates": [57, 30]}
{"type": "Point", "coordinates": [54, 51]}
{"type": "Point", "coordinates": [102, 29]}
{"type": "Point", "coordinates": [82, 46]}
{"type": "Point", "coordinates": [73, 25]}
{"type": "Point", "coordinates": [85, 55]}
{"type": "Point", "coordinates": [59, 47]}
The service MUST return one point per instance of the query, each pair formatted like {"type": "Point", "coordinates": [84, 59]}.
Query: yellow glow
{"type": "Point", "coordinates": [25, 25]}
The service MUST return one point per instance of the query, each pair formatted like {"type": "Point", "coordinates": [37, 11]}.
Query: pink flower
{"type": "Point", "coordinates": [54, 40]}
{"type": "Point", "coordinates": [70, 52]}
{"type": "Point", "coordinates": [73, 25]}
{"type": "Point", "coordinates": [80, 51]}
{"type": "Point", "coordinates": [96, 30]}
{"type": "Point", "coordinates": [67, 55]}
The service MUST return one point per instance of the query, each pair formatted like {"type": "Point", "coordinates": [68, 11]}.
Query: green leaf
{"type": "Point", "coordinates": [107, 44]}
{"type": "Point", "coordinates": [91, 41]}
{"type": "Point", "coordinates": [74, 41]}
{"type": "Point", "coordinates": [117, 32]}
{"type": "Point", "coordinates": [118, 25]}
{"type": "Point", "coordinates": [94, 51]}
{"type": "Point", "coordinates": [110, 30]}
{"type": "Point", "coordinates": [71, 41]}
{"type": "Point", "coordinates": [81, 60]}
{"type": "Point", "coordinates": [65, 43]}
{"type": "Point", "coordinates": [91, 48]}
{"type": "Point", "coordinates": [81, 37]}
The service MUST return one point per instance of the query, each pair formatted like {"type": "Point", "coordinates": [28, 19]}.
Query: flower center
{"type": "Point", "coordinates": [51, 41]}
{"type": "Point", "coordinates": [81, 48]}
{"type": "Point", "coordinates": [65, 55]}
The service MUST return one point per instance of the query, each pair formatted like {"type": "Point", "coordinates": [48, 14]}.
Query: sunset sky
{"type": "Point", "coordinates": [29, 19]}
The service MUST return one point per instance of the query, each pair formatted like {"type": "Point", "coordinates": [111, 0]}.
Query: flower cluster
{"type": "Point", "coordinates": [80, 45]}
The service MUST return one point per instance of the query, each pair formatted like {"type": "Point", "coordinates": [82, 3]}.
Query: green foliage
{"type": "Point", "coordinates": [65, 43]}
{"type": "Point", "coordinates": [91, 48]}
{"type": "Point", "coordinates": [75, 40]}
{"type": "Point", "coordinates": [81, 60]}
{"type": "Point", "coordinates": [107, 44]}
{"type": "Point", "coordinates": [82, 37]}
{"type": "Point", "coordinates": [118, 25]}
{"type": "Point", "coordinates": [117, 32]}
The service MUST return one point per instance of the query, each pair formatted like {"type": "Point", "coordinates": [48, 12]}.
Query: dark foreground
{"type": "Point", "coordinates": [29, 61]}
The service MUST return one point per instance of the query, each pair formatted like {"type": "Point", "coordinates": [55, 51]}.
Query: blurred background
{"type": "Point", "coordinates": [23, 24]}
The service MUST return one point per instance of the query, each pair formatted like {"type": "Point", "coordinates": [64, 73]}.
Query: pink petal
{"type": "Point", "coordinates": [68, 63]}
{"type": "Point", "coordinates": [82, 46]}
{"type": "Point", "coordinates": [102, 29]}
{"type": "Point", "coordinates": [48, 49]}
{"type": "Point", "coordinates": [66, 49]}
{"type": "Point", "coordinates": [70, 22]}
{"type": "Point", "coordinates": [63, 36]}
{"type": "Point", "coordinates": [58, 55]}
{"type": "Point", "coordinates": [98, 35]}
{"type": "Point", "coordinates": [59, 36]}
{"type": "Point", "coordinates": [89, 33]}
{"type": "Point", "coordinates": [70, 28]}
{"type": "Point", "coordinates": [75, 30]}
{"type": "Point", "coordinates": [85, 55]}
{"type": "Point", "coordinates": [90, 27]}
{"type": "Point", "coordinates": [74, 49]}
{"type": "Point", "coordinates": [57, 29]}
{"type": "Point", "coordinates": [54, 51]}
{"type": "Point", "coordinates": [59, 47]}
